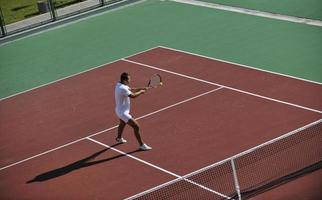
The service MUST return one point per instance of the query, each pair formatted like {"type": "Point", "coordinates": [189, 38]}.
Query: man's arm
{"type": "Point", "coordinates": [136, 94]}
{"type": "Point", "coordinates": [134, 90]}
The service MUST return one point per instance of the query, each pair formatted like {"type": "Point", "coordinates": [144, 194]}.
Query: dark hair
{"type": "Point", "coordinates": [124, 76]}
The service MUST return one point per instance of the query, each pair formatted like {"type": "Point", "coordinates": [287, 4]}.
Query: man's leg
{"type": "Point", "coordinates": [120, 129]}
{"type": "Point", "coordinates": [134, 124]}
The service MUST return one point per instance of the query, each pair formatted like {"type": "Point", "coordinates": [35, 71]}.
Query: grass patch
{"type": "Point", "coordinates": [17, 10]}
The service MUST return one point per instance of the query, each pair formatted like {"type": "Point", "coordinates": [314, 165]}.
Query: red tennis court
{"type": "Point", "coordinates": [58, 141]}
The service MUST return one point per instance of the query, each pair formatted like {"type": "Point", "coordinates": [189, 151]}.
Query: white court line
{"type": "Point", "coordinates": [157, 167]}
{"type": "Point", "coordinates": [220, 85]}
{"type": "Point", "coordinates": [67, 77]}
{"type": "Point", "coordinates": [246, 11]}
{"type": "Point", "coordinates": [172, 182]}
{"type": "Point", "coordinates": [240, 65]}
{"type": "Point", "coordinates": [111, 128]}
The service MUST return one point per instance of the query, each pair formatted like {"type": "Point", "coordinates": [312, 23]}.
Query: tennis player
{"type": "Point", "coordinates": [123, 93]}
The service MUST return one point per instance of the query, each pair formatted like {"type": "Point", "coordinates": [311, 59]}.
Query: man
{"type": "Point", "coordinates": [123, 93]}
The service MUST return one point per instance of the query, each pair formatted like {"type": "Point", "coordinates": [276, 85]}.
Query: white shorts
{"type": "Point", "coordinates": [125, 116]}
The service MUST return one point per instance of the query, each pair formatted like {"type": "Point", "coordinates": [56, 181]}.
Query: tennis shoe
{"type": "Point", "coordinates": [145, 147]}
{"type": "Point", "coordinates": [120, 140]}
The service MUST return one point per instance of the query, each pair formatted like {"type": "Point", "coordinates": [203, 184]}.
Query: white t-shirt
{"type": "Point", "coordinates": [122, 99]}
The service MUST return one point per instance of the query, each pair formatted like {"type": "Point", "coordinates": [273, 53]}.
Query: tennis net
{"type": "Point", "coordinates": [251, 172]}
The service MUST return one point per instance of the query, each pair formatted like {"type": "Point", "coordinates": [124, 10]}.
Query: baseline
{"type": "Point", "coordinates": [73, 75]}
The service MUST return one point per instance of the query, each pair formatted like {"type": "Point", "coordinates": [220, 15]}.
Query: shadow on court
{"type": "Point", "coordinates": [86, 162]}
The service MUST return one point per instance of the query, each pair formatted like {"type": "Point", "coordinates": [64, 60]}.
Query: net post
{"type": "Point", "coordinates": [235, 179]}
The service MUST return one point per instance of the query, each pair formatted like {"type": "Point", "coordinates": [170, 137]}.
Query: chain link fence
{"type": "Point", "coordinates": [25, 15]}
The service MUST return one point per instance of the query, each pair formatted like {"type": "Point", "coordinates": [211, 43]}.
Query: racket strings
{"type": "Point", "coordinates": [155, 81]}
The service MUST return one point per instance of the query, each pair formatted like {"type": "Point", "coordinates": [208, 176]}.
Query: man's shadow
{"type": "Point", "coordinates": [86, 162]}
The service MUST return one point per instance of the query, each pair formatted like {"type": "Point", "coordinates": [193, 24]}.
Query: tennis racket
{"type": "Point", "coordinates": [155, 81]}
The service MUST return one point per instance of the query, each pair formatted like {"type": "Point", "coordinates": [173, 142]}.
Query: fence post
{"type": "Point", "coordinates": [235, 179]}
{"type": "Point", "coordinates": [52, 10]}
{"type": "Point", "coordinates": [2, 24]}
{"type": "Point", "coordinates": [102, 2]}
